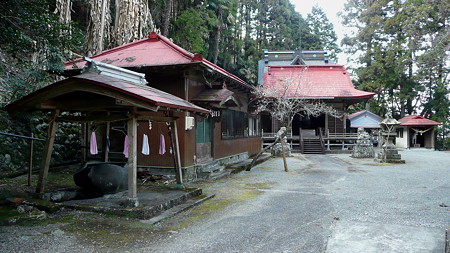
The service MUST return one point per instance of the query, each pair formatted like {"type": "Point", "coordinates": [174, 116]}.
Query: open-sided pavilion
{"type": "Point", "coordinates": [105, 93]}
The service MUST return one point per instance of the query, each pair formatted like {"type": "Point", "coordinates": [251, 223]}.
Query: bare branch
{"type": "Point", "coordinates": [285, 99]}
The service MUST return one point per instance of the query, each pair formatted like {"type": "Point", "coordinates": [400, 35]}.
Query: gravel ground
{"type": "Point", "coordinates": [330, 203]}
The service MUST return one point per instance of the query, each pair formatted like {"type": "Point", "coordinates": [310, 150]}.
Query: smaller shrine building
{"type": "Point", "coordinates": [416, 132]}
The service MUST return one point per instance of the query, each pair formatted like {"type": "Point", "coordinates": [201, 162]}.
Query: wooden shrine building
{"type": "Point", "coordinates": [328, 83]}
{"type": "Point", "coordinates": [229, 133]}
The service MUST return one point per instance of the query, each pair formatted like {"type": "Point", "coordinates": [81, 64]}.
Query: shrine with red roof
{"type": "Point", "coordinates": [228, 133]}
{"type": "Point", "coordinates": [321, 82]}
{"type": "Point", "coordinates": [416, 132]}
{"type": "Point", "coordinates": [153, 105]}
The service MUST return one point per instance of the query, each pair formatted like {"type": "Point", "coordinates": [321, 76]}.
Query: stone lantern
{"type": "Point", "coordinates": [388, 152]}
{"type": "Point", "coordinates": [364, 145]}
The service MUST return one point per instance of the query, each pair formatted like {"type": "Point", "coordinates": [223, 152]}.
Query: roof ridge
{"type": "Point", "coordinates": [111, 50]}
{"type": "Point", "coordinates": [177, 48]}
{"type": "Point", "coordinates": [114, 49]}
{"type": "Point", "coordinates": [307, 65]}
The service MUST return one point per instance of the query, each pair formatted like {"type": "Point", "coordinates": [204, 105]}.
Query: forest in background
{"type": "Point", "coordinates": [400, 46]}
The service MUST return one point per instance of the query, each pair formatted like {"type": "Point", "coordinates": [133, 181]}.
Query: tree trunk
{"type": "Point", "coordinates": [217, 36]}
{"type": "Point", "coordinates": [166, 17]}
{"type": "Point", "coordinates": [278, 139]}
{"type": "Point", "coordinates": [132, 19]}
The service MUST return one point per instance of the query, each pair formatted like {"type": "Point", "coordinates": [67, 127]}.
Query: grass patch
{"type": "Point", "coordinates": [200, 197]}
{"type": "Point", "coordinates": [201, 212]}
{"type": "Point", "coordinates": [7, 213]}
{"type": "Point", "coordinates": [227, 194]}
{"type": "Point", "coordinates": [30, 222]}
{"type": "Point", "coordinates": [108, 231]}
{"type": "Point", "coordinates": [9, 216]}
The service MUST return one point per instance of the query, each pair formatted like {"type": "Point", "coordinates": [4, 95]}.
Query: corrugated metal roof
{"type": "Point", "coordinates": [151, 95]}
{"type": "Point", "coordinates": [415, 120]}
{"type": "Point", "coordinates": [156, 50]}
{"type": "Point", "coordinates": [155, 96]}
{"type": "Point", "coordinates": [314, 81]}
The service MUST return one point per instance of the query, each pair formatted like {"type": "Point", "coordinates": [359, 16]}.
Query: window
{"type": "Point", "coordinates": [203, 130]}
{"type": "Point", "coordinates": [234, 124]}
{"type": "Point", "coordinates": [399, 132]}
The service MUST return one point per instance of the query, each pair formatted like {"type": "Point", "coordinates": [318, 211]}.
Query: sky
{"type": "Point", "coordinates": [331, 9]}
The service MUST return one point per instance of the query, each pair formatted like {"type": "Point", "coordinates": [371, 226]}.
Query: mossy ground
{"type": "Point", "coordinates": [58, 178]}
{"type": "Point", "coordinates": [113, 232]}
{"type": "Point", "coordinates": [227, 193]}
{"type": "Point", "coordinates": [108, 230]}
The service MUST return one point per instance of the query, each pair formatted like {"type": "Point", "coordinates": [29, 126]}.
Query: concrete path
{"type": "Point", "coordinates": [393, 208]}
{"type": "Point", "coordinates": [323, 204]}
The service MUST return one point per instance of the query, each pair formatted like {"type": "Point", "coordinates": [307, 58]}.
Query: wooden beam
{"type": "Point", "coordinates": [156, 118]}
{"type": "Point", "coordinates": [178, 173]}
{"type": "Point", "coordinates": [47, 153]}
{"type": "Point", "coordinates": [132, 162]}
{"type": "Point", "coordinates": [75, 103]}
{"type": "Point", "coordinates": [106, 142]}
{"type": "Point", "coordinates": [95, 118]}
{"type": "Point", "coordinates": [119, 96]}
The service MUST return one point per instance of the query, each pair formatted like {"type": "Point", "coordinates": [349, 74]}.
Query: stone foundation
{"type": "Point", "coordinates": [200, 171]}
{"type": "Point", "coordinates": [391, 155]}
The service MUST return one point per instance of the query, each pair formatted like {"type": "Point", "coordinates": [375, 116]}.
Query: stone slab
{"type": "Point", "coordinates": [152, 202]}
{"type": "Point", "coordinates": [356, 237]}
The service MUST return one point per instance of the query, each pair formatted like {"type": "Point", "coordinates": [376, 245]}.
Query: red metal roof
{"type": "Point", "coordinates": [156, 50]}
{"type": "Point", "coordinates": [314, 81]}
{"type": "Point", "coordinates": [415, 120]}
{"type": "Point", "coordinates": [141, 92]}
{"type": "Point", "coordinates": [155, 96]}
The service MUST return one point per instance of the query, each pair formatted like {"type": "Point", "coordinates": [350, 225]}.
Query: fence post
{"type": "Point", "coordinates": [47, 152]}
{"type": "Point", "coordinates": [30, 167]}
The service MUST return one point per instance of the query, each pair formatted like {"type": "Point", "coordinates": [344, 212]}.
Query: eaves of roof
{"type": "Point", "coordinates": [144, 93]}
{"type": "Point", "coordinates": [156, 50]}
{"type": "Point", "coordinates": [415, 120]}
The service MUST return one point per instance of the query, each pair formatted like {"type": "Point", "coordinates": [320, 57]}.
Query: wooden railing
{"type": "Point", "coordinates": [300, 139]}
{"type": "Point", "coordinates": [340, 136]}
{"type": "Point", "coordinates": [340, 139]}
{"type": "Point", "coordinates": [321, 139]}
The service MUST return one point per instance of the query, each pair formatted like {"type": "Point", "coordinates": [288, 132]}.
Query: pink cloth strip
{"type": "Point", "coordinates": [162, 145]}
{"type": "Point", "coordinates": [125, 146]}
{"type": "Point", "coordinates": [93, 145]}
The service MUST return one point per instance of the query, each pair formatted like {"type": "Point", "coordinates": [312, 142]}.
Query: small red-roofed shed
{"type": "Point", "coordinates": [416, 132]}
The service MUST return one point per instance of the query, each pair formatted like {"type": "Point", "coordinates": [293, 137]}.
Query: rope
{"type": "Point", "coordinates": [421, 131]}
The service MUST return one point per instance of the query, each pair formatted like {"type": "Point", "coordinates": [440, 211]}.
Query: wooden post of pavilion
{"type": "Point", "coordinates": [132, 162]}
{"type": "Point", "coordinates": [105, 144]}
{"type": "Point", "coordinates": [178, 173]}
{"type": "Point", "coordinates": [47, 152]}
